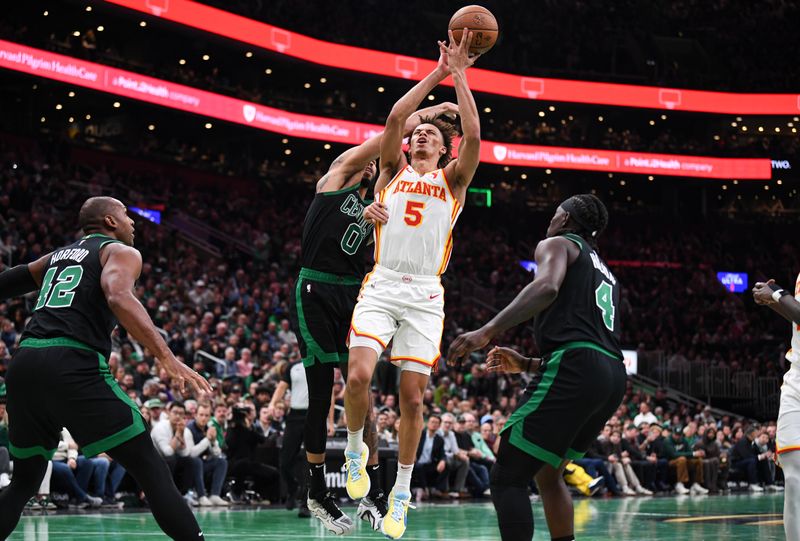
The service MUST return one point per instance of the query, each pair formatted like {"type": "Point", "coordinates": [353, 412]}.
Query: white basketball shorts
{"type": "Point", "coordinates": [405, 309]}
{"type": "Point", "coordinates": [788, 436]}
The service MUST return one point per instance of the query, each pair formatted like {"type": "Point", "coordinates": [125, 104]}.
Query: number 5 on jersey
{"type": "Point", "coordinates": [413, 215]}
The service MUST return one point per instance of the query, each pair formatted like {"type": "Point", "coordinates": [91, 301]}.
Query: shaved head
{"type": "Point", "coordinates": [108, 216]}
{"type": "Point", "coordinates": [94, 211]}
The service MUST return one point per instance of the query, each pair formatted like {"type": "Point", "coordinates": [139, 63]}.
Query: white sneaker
{"type": "Point", "coordinates": [5, 480]}
{"type": "Point", "coordinates": [755, 488]}
{"type": "Point", "coordinates": [627, 491]}
{"type": "Point", "coordinates": [680, 489]}
{"type": "Point", "coordinates": [698, 489]}
{"type": "Point", "coordinates": [774, 488]}
{"type": "Point", "coordinates": [373, 511]}
{"type": "Point", "coordinates": [643, 491]}
{"type": "Point", "coordinates": [191, 500]}
{"type": "Point", "coordinates": [205, 502]}
{"type": "Point", "coordinates": [92, 501]}
{"type": "Point", "coordinates": [216, 500]}
{"type": "Point", "coordinates": [330, 515]}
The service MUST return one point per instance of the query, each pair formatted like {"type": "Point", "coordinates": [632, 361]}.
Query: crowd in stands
{"type": "Point", "coordinates": [235, 308]}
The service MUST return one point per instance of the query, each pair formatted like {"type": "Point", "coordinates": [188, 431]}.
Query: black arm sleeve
{"type": "Point", "coordinates": [16, 282]}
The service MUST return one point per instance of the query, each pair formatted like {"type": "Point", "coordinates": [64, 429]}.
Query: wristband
{"type": "Point", "coordinates": [777, 292]}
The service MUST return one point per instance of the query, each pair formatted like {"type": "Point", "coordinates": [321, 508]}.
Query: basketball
{"type": "Point", "coordinates": [479, 20]}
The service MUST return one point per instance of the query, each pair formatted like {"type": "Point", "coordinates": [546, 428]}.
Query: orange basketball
{"type": "Point", "coordinates": [480, 21]}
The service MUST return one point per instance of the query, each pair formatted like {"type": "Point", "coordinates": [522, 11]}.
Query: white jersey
{"type": "Point", "coordinates": [418, 238]}
{"type": "Point", "coordinates": [794, 353]}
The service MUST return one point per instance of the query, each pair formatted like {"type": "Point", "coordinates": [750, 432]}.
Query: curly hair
{"type": "Point", "coordinates": [448, 132]}
{"type": "Point", "coordinates": [588, 216]}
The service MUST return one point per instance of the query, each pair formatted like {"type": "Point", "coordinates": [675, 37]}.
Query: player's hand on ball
{"type": "Point", "coordinates": [376, 212]}
{"type": "Point", "coordinates": [456, 55]}
{"type": "Point", "coordinates": [501, 359]}
{"type": "Point", "coordinates": [466, 343]}
{"type": "Point", "coordinates": [762, 292]}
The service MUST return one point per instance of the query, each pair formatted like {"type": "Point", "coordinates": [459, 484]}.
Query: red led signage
{"type": "Point", "coordinates": [148, 89]}
{"type": "Point", "coordinates": [346, 57]}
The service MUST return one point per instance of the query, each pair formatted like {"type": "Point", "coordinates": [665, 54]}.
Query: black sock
{"type": "Point", "coordinates": [375, 488]}
{"type": "Point", "coordinates": [565, 538]}
{"type": "Point", "coordinates": [317, 487]}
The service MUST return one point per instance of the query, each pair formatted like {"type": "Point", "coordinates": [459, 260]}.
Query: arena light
{"type": "Point", "coordinates": [273, 38]}
{"type": "Point", "coordinates": [128, 84]}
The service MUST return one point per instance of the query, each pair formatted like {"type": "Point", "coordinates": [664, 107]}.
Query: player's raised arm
{"type": "Point", "coordinates": [356, 159]}
{"type": "Point", "coordinates": [391, 154]}
{"type": "Point", "coordinates": [553, 258]}
{"type": "Point", "coordinates": [120, 271]}
{"type": "Point", "coordinates": [461, 170]}
{"type": "Point", "coordinates": [780, 300]}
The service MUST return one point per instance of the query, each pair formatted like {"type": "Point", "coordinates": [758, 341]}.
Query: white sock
{"type": "Point", "coordinates": [355, 439]}
{"type": "Point", "coordinates": [403, 481]}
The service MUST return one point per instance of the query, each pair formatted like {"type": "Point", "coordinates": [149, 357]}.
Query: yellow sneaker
{"type": "Point", "coordinates": [394, 523]}
{"type": "Point", "coordinates": [358, 484]}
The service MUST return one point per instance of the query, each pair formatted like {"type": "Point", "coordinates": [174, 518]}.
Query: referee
{"type": "Point", "coordinates": [293, 379]}
{"type": "Point", "coordinates": [59, 377]}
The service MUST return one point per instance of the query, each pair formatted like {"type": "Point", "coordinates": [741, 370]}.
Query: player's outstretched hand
{"type": "Point", "coordinates": [466, 343]}
{"type": "Point", "coordinates": [182, 374]}
{"type": "Point", "coordinates": [376, 212]}
{"type": "Point", "coordinates": [456, 56]}
{"type": "Point", "coordinates": [500, 359]}
{"type": "Point", "coordinates": [762, 292]}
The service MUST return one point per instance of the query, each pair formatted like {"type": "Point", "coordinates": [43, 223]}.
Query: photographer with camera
{"type": "Point", "coordinates": [242, 441]}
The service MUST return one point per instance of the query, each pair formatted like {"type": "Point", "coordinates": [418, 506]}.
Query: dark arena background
{"type": "Point", "coordinates": [213, 121]}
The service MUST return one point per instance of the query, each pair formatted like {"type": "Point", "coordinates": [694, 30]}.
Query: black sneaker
{"type": "Point", "coordinates": [331, 516]}
{"type": "Point", "coordinates": [372, 510]}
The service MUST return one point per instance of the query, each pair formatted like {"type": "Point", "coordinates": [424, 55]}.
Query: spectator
{"type": "Point", "coordinates": [683, 459]}
{"type": "Point", "coordinates": [286, 335]}
{"type": "Point", "coordinates": [156, 411]}
{"type": "Point", "coordinates": [220, 423]}
{"type": "Point", "coordinates": [620, 464]}
{"type": "Point", "coordinates": [645, 415]}
{"type": "Point", "coordinates": [457, 459]}
{"type": "Point", "coordinates": [486, 455]}
{"type": "Point", "coordinates": [430, 473]}
{"type": "Point", "coordinates": [65, 465]}
{"type": "Point", "coordinates": [245, 365]}
{"type": "Point", "coordinates": [208, 450]}
{"type": "Point", "coordinates": [229, 368]}
{"type": "Point", "coordinates": [746, 458]}
{"type": "Point", "coordinates": [644, 466]}
{"type": "Point", "coordinates": [174, 440]}
{"type": "Point", "coordinates": [594, 462]}
{"type": "Point", "coordinates": [714, 477]}
{"type": "Point", "coordinates": [478, 476]}
{"type": "Point", "coordinates": [201, 296]}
